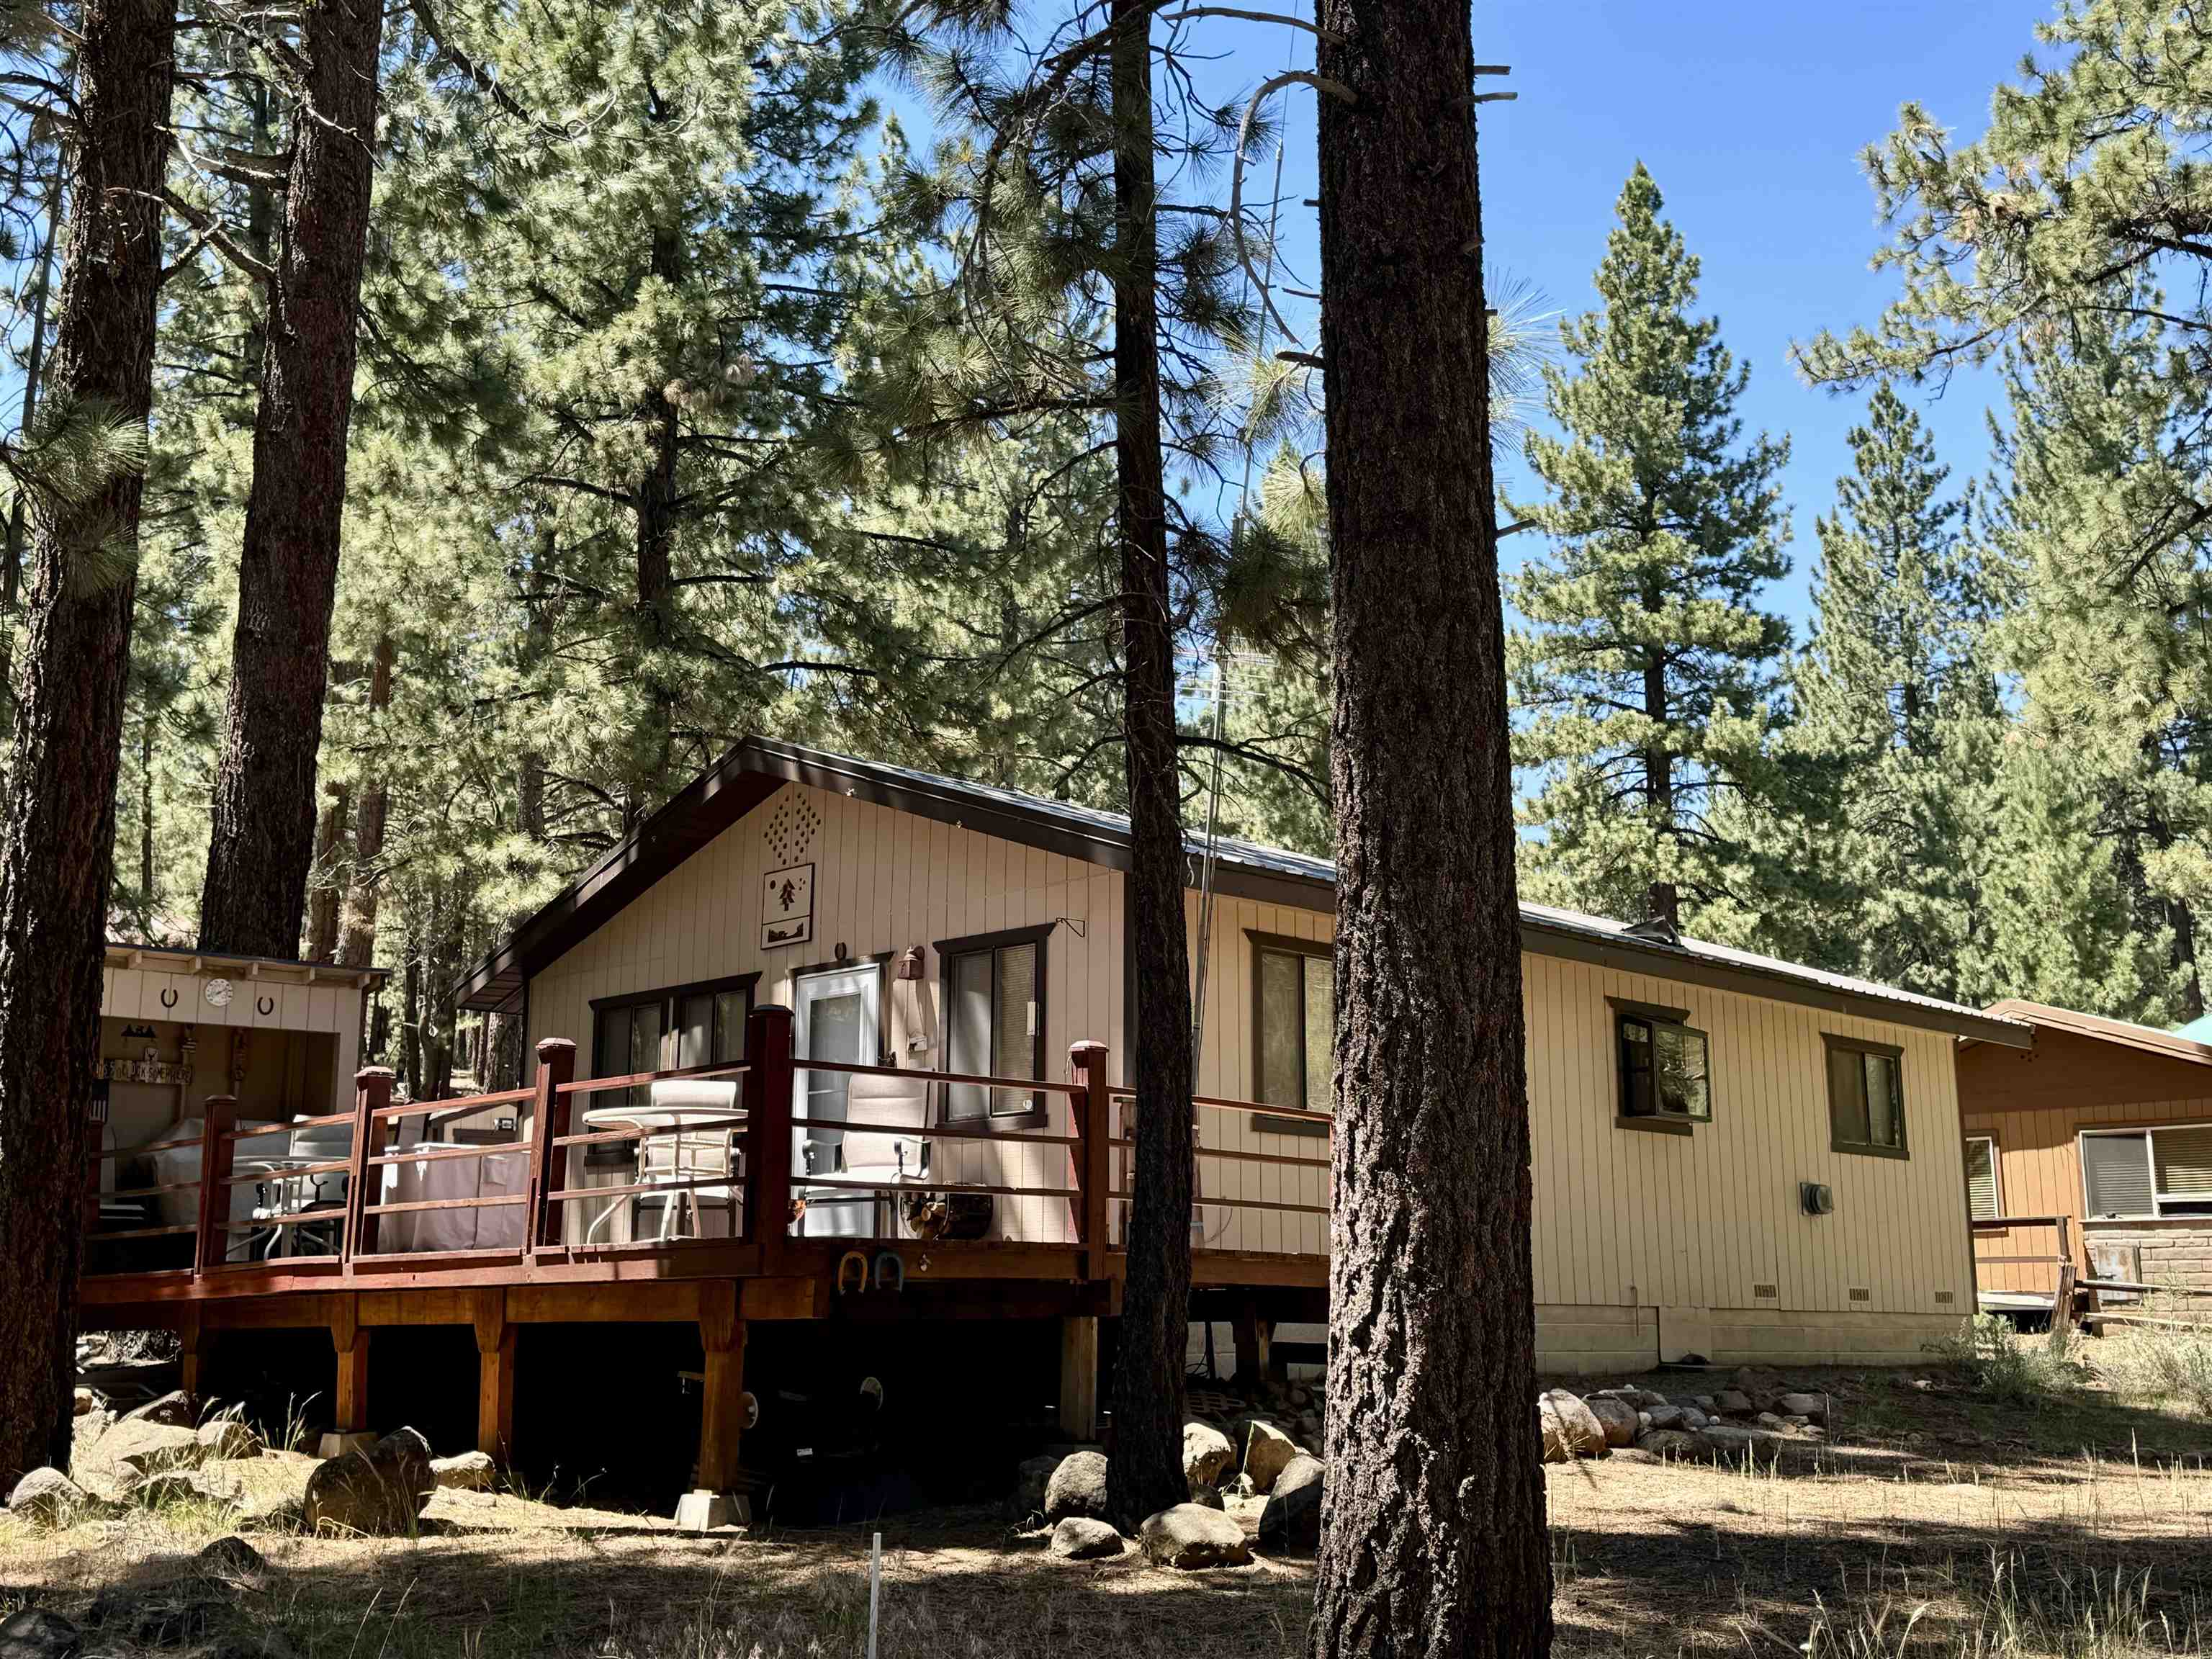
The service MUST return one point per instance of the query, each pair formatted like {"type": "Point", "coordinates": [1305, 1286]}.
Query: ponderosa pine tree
{"type": "Point", "coordinates": [1433, 1539]}
{"type": "Point", "coordinates": [1645, 669]}
{"type": "Point", "coordinates": [1898, 719]}
{"type": "Point", "coordinates": [262, 841]}
{"type": "Point", "coordinates": [58, 834]}
{"type": "Point", "coordinates": [2111, 637]}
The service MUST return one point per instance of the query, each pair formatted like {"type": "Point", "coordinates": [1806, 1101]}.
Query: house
{"type": "Point", "coordinates": [2105, 1125]}
{"type": "Point", "coordinates": [1733, 1158]}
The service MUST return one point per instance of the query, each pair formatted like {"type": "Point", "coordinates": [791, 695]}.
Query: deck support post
{"type": "Point", "coordinates": [495, 1374]}
{"type": "Point", "coordinates": [1078, 1375]}
{"type": "Point", "coordinates": [192, 1345]}
{"type": "Point", "coordinates": [721, 1412]}
{"type": "Point", "coordinates": [549, 1122]}
{"type": "Point", "coordinates": [1255, 1340]}
{"type": "Point", "coordinates": [350, 1339]}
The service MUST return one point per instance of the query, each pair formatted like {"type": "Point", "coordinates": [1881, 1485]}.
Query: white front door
{"type": "Point", "coordinates": [837, 1018]}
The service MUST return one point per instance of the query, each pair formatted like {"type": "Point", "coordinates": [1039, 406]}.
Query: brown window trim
{"type": "Point", "coordinates": [1288, 945]}
{"type": "Point", "coordinates": [1665, 1123]}
{"type": "Point", "coordinates": [618, 1152]}
{"type": "Point", "coordinates": [1831, 1041]}
{"type": "Point", "coordinates": [1037, 1116]}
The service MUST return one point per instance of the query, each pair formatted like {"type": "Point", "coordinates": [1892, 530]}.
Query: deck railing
{"type": "Point", "coordinates": [1074, 1168]}
{"type": "Point", "coordinates": [2055, 1265]}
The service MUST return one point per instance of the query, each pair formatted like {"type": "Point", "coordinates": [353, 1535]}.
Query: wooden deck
{"type": "Point", "coordinates": [551, 1275]}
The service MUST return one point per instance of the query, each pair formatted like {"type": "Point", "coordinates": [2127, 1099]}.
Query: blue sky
{"type": "Point", "coordinates": [1751, 116]}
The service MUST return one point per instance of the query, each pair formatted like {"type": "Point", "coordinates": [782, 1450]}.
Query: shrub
{"type": "Point", "coordinates": [2165, 1364]}
{"type": "Point", "coordinates": [1995, 1361]}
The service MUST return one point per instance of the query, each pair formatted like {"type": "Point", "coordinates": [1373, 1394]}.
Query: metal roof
{"type": "Point", "coordinates": [753, 769]}
{"type": "Point", "coordinates": [2183, 1044]}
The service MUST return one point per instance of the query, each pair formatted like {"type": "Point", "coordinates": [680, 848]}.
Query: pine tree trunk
{"type": "Point", "coordinates": [1662, 902]}
{"type": "Point", "coordinates": [263, 841]}
{"type": "Point", "coordinates": [57, 855]}
{"type": "Point", "coordinates": [11, 573]}
{"type": "Point", "coordinates": [146, 897]}
{"type": "Point", "coordinates": [330, 881]}
{"type": "Point", "coordinates": [1145, 1473]}
{"type": "Point", "coordinates": [358, 943]}
{"type": "Point", "coordinates": [410, 1025]}
{"type": "Point", "coordinates": [1432, 1531]}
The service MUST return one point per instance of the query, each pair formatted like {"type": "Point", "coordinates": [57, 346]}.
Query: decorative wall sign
{"type": "Point", "coordinates": [145, 1069]}
{"type": "Point", "coordinates": [788, 906]}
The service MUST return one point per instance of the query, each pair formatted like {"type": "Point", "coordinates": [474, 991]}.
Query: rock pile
{"type": "Point", "coordinates": [1755, 1416]}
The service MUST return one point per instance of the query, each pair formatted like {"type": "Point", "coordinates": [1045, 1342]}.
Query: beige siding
{"type": "Point", "coordinates": [1626, 1222]}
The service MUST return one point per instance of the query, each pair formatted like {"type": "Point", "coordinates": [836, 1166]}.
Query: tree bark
{"type": "Point", "coordinates": [1145, 1473]}
{"type": "Point", "coordinates": [329, 880]}
{"type": "Point", "coordinates": [1432, 1530]}
{"type": "Point", "coordinates": [263, 840]}
{"type": "Point", "coordinates": [357, 946]}
{"type": "Point", "coordinates": [11, 573]}
{"type": "Point", "coordinates": [1663, 901]}
{"type": "Point", "coordinates": [146, 895]}
{"type": "Point", "coordinates": [56, 859]}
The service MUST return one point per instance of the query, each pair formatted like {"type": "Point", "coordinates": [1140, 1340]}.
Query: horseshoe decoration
{"type": "Point", "coordinates": [168, 997]}
{"type": "Point", "coordinates": [264, 1006]}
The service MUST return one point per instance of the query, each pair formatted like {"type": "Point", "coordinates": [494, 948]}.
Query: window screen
{"type": "Point", "coordinates": [1294, 1027]}
{"type": "Point", "coordinates": [2115, 1175]}
{"type": "Point", "coordinates": [2184, 1161]}
{"type": "Point", "coordinates": [1866, 1099]}
{"type": "Point", "coordinates": [1665, 1069]}
{"type": "Point", "coordinates": [1982, 1179]}
{"type": "Point", "coordinates": [994, 1010]}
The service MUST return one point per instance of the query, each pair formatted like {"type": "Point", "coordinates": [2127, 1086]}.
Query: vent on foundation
{"type": "Point", "coordinates": [1860, 1294]}
{"type": "Point", "coordinates": [1943, 1297]}
{"type": "Point", "coordinates": [1770, 1291]}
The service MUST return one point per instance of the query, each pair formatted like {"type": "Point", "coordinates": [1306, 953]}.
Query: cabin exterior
{"type": "Point", "coordinates": [1656, 1236]}
{"type": "Point", "coordinates": [831, 1052]}
{"type": "Point", "coordinates": [2101, 1131]}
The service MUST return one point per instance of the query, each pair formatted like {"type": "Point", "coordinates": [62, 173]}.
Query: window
{"type": "Point", "coordinates": [1666, 1074]}
{"type": "Point", "coordinates": [1984, 1203]}
{"type": "Point", "coordinates": [2147, 1173]}
{"type": "Point", "coordinates": [994, 990]}
{"type": "Point", "coordinates": [1866, 1097]}
{"type": "Point", "coordinates": [1293, 1028]}
{"type": "Point", "coordinates": [664, 1030]}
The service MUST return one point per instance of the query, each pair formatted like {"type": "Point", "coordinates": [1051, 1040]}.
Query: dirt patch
{"type": "Point", "coordinates": [1988, 1530]}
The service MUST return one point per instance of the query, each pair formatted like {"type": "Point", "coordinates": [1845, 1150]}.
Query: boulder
{"type": "Point", "coordinates": [168, 1486]}
{"type": "Point", "coordinates": [35, 1633]}
{"type": "Point", "coordinates": [1207, 1456]}
{"type": "Point", "coordinates": [1735, 1442]}
{"type": "Point", "coordinates": [471, 1471]}
{"type": "Point", "coordinates": [1813, 1408]}
{"type": "Point", "coordinates": [1672, 1443]}
{"type": "Point", "coordinates": [1291, 1520]}
{"type": "Point", "coordinates": [1643, 1399]}
{"type": "Point", "coordinates": [1078, 1486]}
{"type": "Point", "coordinates": [137, 1447]}
{"type": "Point", "coordinates": [1570, 1429]}
{"type": "Point", "coordinates": [1191, 1536]}
{"type": "Point", "coordinates": [383, 1489]}
{"type": "Point", "coordinates": [1268, 1453]}
{"type": "Point", "coordinates": [175, 1410]}
{"type": "Point", "coordinates": [1619, 1417]}
{"type": "Point", "coordinates": [47, 1497]}
{"type": "Point", "coordinates": [88, 1400]}
{"type": "Point", "coordinates": [1694, 1419]}
{"type": "Point", "coordinates": [1207, 1497]}
{"type": "Point", "coordinates": [1026, 1506]}
{"type": "Point", "coordinates": [1664, 1417]}
{"type": "Point", "coordinates": [233, 1561]}
{"type": "Point", "coordinates": [1084, 1538]}
{"type": "Point", "coordinates": [1733, 1403]}
{"type": "Point", "coordinates": [228, 1437]}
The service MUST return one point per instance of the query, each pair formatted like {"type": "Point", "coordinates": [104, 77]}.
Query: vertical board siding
{"type": "Point", "coordinates": [1622, 1218]}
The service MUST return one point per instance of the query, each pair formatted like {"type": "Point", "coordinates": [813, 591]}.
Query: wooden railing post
{"type": "Point", "coordinates": [372, 1093]}
{"type": "Point", "coordinates": [1095, 1108]}
{"type": "Point", "coordinates": [549, 1121]}
{"type": "Point", "coordinates": [768, 1131]}
{"type": "Point", "coordinates": [211, 1247]}
{"type": "Point", "coordinates": [2062, 1298]}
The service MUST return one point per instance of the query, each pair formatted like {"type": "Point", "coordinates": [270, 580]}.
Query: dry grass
{"type": "Point", "coordinates": [1933, 1523]}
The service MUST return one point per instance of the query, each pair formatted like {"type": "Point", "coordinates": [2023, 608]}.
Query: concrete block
{"type": "Point", "coordinates": [703, 1511]}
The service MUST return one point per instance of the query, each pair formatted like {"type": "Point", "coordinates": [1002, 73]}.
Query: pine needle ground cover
{"type": "Point", "coordinates": [1934, 1521]}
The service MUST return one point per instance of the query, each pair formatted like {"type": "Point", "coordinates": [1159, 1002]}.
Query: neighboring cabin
{"type": "Point", "coordinates": [1733, 1156]}
{"type": "Point", "coordinates": [2107, 1124]}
